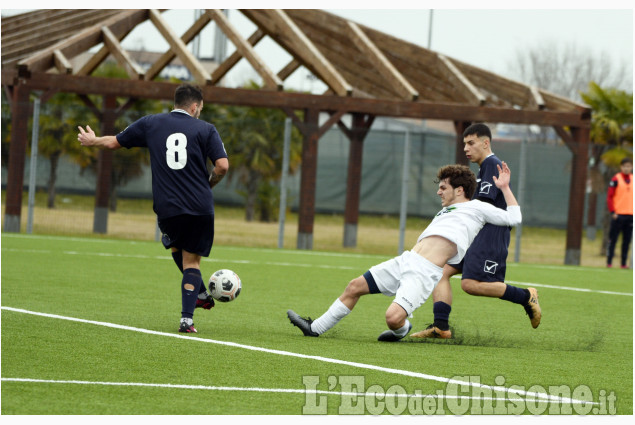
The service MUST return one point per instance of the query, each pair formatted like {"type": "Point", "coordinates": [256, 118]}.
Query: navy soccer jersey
{"type": "Point", "coordinates": [179, 146]}
{"type": "Point", "coordinates": [485, 260]}
{"type": "Point", "coordinates": [486, 189]}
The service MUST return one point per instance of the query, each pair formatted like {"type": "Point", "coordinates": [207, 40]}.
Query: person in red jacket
{"type": "Point", "coordinates": [620, 203]}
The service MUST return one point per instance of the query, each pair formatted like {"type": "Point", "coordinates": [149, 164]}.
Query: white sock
{"type": "Point", "coordinates": [402, 331]}
{"type": "Point", "coordinates": [336, 312]}
{"type": "Point", "coordinates": [187, 321]}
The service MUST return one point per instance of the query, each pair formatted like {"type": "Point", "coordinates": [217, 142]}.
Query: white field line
{"type": "Point", "coordinates": [288, 264]}
{"type": "Point", "coordinates": [89, 239]}
{"type": "Point", "coordinates": [262, 390]}
{"type": "Point", "coordinates": [520, 392]}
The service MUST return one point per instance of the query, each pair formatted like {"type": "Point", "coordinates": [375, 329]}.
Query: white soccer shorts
{"type": "Point", "coordinates": [410, 278]}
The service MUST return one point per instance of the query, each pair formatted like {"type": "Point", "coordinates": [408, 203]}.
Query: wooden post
{"type": "Point", "coordinates": [17, 155]}
{"type": "Point", "coordinates": [104, 168]}
{"type": "Point", "coordinates": [356, 136]}
{"type": "Point", "coordinates": [577, 189]}
{"type": "Point", "coordinates": [308, 179]}
{"type": "Point", "coordinates": [459, 155]}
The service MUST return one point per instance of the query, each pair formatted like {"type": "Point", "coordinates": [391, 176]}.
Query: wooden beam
{"type": "Point", "coordinates": [39, 35]}
{"type": "Point", "coordinates": [61, 63]}
{"type": "Point", "coordinates": [82, 42]}
{"type": "Point", "coordinates": [289, 69]}
{"type": "Point", "coordinates": [463, 84]}
{"type": "Point", "coordinates": [191, 63]}
{"type": "Point", "coordinates": [282, 29]}
{"type": "Point", "coordinates": [94, 61]}
{"type": "Point", "coordinates": [382, 65]}
{"type": "Point", "coordinates": [270, 79]}
{"type": "Point", "coordinates": [269, 99]}
{"type": "Point", "coordinates": [187, 36]}
{"type": "Point", "coordinates": [334, 118]}
{"type": "Point", "coordinates": [566, 137]}
{"type": "Point", "coordinates": [91, 105]}
{"type": "Point", "coordinates": [294, 117]}
{"type": "Point", "coordinates": [123, 58]}
{"type": "Point", "coordinates": [536, 97]}
{"type": "Point", "coordinates": [233, 59]}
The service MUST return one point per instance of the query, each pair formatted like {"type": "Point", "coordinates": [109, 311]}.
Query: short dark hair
{"type": "Point", "coordinates": [458, 176]}
{"type": "Point", "coordinates": [186, 94]}
{"type": "Point", "coordinates": [627, 161]}
{"type": "Point", "coordinates": [479, 129]}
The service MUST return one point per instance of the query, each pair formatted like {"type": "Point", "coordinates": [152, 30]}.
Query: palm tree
{"type": "Point", "coordinates": [254, 139]}
{"type": "Point", "coordinates": [612, 137]}
{"type": "Point", "coordinates": [58, 123]}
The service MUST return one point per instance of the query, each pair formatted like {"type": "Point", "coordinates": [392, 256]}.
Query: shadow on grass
{"type": "Point", "coordinates": [476, 338]}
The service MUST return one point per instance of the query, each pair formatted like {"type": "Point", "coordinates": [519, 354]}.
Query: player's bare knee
{"type": "Point", "coordinates": [395, 318]}
{"type": "Point", "coordinates": [356, 287]}
{"type": "Point", "coordinates": [469, 286]}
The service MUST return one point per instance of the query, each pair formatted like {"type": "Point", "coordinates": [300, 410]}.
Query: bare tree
{"type": "Point", "coordinates": [567, 69]}
{"type": "Point", "coordinates": [579, 73]}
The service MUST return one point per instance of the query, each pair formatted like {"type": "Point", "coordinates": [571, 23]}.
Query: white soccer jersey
{"type": "Point", "coordinates": [461, 222]}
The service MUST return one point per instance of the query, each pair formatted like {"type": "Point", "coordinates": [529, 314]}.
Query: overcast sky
{"type": "Point", "coordinates": [487, 38]}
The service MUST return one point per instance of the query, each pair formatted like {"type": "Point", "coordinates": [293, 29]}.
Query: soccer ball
{"type": "Point", "coordinates": [224, 285]}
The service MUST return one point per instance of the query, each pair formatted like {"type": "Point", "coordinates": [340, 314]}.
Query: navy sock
{"type": "Point", "coordinates": [516, 295]}
{"type": "Point", "coordinates": [441, 312]}
{"type": "Point", "coordinates": [178, 259]}
{"type": "Point", "coordinates": [190, 286]}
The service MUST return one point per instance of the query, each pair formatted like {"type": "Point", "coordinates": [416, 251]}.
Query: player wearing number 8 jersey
{"type": "Point", "coordinates": [179, 145]}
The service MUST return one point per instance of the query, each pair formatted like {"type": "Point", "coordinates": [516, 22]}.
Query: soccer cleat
{"type": "Point", "coordinates": [389, 336]}
{"type": "Point", "coordinates": [533, 308]}
{"type": "Point", "coordinates": [302, 323]}
{"type": "Point", "coordinates": [624, 267]}
{"type": "Point", "coordinates": [185, 328]}
{"type": "Point", "coordinates": [433, 332]}
{"type": "Point", "coordinates": [205, 304]}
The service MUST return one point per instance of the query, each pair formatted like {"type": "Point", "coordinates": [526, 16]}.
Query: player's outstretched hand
{"type": "Point", "coordinates": [504, 175]}
{"type": "Point", "coordinates": [86, 137]}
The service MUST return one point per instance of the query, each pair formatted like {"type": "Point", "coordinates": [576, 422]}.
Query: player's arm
{"type": "Point", "coordinates": [221, 166]}
{"type": "Point", "coordinates": [610, 197]}
{"type": "Point", "coordinates": [502, 183]}
{"type": "Point", "coordinates": [513, 215]}
{"type": "Point", "coordinates": [88, 138]}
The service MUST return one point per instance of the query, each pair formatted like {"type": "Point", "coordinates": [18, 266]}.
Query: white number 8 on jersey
{"type": "Point", "coordinates": [176, 154]}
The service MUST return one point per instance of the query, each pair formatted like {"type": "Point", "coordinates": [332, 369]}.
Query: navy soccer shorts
{"type": "Point", "coordinates": [192, 233]}
{"type": "Point", "coordinates": [486, 259]}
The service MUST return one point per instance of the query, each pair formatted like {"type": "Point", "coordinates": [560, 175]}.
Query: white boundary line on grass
{"type": "Point", "coordinates": [287, 264]}
{"type": "Point", "coordinates": [260, 390]}
{"type": "Point", "coordinates": [535, 395]}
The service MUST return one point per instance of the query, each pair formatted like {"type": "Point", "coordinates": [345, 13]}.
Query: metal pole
{"type": "Point", "coordinates": [522, 171]}
{"type": "Point", "coordinates": [35, 129]}
{"type": "Point", "coordinates": [283, 181]}
{"type": "Point", "coordinates": [403, 211]}
{"type": "Point", "coordinates": [430, 29]}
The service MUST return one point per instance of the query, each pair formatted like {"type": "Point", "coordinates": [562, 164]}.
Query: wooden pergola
{"type": "Point", "coordinates": [368, 74]}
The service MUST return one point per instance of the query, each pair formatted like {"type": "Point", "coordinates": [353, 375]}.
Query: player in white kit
{"type": "Point", "coordinates": [412, 276]}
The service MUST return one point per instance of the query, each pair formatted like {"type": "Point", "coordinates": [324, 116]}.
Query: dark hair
{"type": "Point", "coordinates": [479, 129]}
{"type": "Point", "coordinates": [627, 161]}
{"type": "Point", "coordinates": [459, 176]}
{"type": "Point", "coordinates": [186, 94]}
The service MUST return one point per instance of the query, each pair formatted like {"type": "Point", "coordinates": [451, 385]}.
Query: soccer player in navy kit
{"type": "Point", "coordinates": [483, 267]}
{"type": "Point", "coordinates": [179, 145]}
